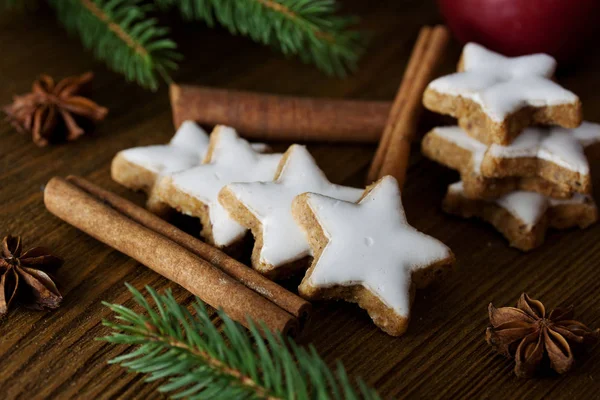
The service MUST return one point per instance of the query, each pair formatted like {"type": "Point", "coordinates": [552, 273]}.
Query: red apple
{"type": "Point", "coordinates": [516, 27]}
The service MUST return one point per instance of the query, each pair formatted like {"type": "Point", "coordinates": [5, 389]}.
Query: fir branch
{"type": "Point", "coordinates": [121, 33]}
{"type": "Point", "coordinates": [13, 4]}
{"type": "Point", "coordinates": [309, 29]}
{"type": "Point", "coordinates": [199, 361]}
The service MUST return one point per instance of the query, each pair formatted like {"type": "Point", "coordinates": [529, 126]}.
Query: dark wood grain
{"type": "Point", "coordinates": [443, 354]}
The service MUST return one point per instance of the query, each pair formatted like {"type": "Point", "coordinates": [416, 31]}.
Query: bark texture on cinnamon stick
{"type": "Point", "coordinates": [393, 152]}
{"type": "Point", "coordinates": [399, 101]}
{"type": "Point", "coordinates": [285, 299]}
{"type": "Point", "coordinates": [213, 286]}
{"type": "Point", "coordinates": [272, 117]}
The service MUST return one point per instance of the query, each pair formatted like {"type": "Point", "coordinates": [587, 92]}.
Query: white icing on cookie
{"type": "Point", "coordinates": [587, 133]}
{"type": "Point", "coordinates": [457, 187]}
{"type": "Point", "coordinates": [270, 203]}
{"type": "Point", "coordinates": [528, 207]}
{"type": "Point", "coordinates": [185, 150]}
{"type": "Point", "coordinates": [577, 198]}
{"type": "Point", "coordinates": [525, 145]}
{"type": "Point", "coordinates": [563, 147]}
{"type": "Point", "coordinates": [260, 147]}
{"type": "Point", "coordinates": [502, 85]}
{"type": "Point", "coordinates": [459, 137]}
{"type": "Point", "coordinates": [371, 244]}
{"type": "Point", "coordinates": [478, 58]}
{"type": "Point", "coordinates": [233, 160]}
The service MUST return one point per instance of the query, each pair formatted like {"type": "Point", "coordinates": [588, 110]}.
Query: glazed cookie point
{"type": "Point", "coordinates": [139, 168]}
{"type": "Point", "coordinates": [476, 57]}
{"type": "Point", "coordinates": [187, 148]}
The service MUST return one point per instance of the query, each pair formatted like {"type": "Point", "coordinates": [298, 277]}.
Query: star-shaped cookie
{"type": "Point", "coordinates": [138, 168]}
{"type": "Point", "coordinates": [551, 161]}
{"type": "Point", "coordinates": [195, 191]}
{"type": "Point", "coordinates": [495, 97]}
{"type": "Point", "coordinates": [367, 253]}
{"type": "Point", "coordinates": [523, 217]}
{"type": "Point", "coordinates": [280, 246]}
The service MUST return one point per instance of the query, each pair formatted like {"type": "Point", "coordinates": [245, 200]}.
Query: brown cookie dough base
{"type": "Point", "coordinates": [382, 315]}
{"type": "Point", "coordinates": [477, 185]}
{"type": "Point", "coordinates": [192, 206]}
{"type": "Point", "coordinates": [136, 177]}
{"type": "Point", "coordinates": [564, 178]}
{"type": "Point", "coordinates": [518, 234]}
{"type": "Point", "coordinates": [479, 125]}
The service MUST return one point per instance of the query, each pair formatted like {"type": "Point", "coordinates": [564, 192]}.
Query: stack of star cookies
{"type": "Point", "coordinates": [349, 243]}
{"type": "Point", "coordinates": [520, 146]}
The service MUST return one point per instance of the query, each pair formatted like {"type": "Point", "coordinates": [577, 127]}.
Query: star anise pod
{"type": "Point", "coordinates": [52, 108]}
{"type": "Point", "coordinates": [23, 275]}
{"type": "Point", "coordinates": [532, 338]}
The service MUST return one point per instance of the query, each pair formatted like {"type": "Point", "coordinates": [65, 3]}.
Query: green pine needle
{"type": "Point", "coordinates": [200, 362]}
{"type": "Point", "coordinates": [121, 34]}
{"type": "Point", "coordinates": [309, 29]}
{"type": "Point", "coordinates": [15, 4]}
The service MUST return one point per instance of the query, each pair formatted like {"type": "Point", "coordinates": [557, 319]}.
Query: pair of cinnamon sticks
{"type": "Point", "coordinates": [205, 271]}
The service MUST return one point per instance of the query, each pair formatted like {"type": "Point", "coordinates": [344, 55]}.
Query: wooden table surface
{"type": "Point", "coordinates": [443, 354]}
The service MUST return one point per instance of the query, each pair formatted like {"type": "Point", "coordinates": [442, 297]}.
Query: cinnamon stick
{"type": "Point", "coordinates": [269, 117]}
{"type": "Point", "coordinates": [285, 299]}
{"type": "Point", "coordinates": [427, 55]}
{"type": "Point", "coordinates": [201, 278]}
{"type": "Point", "coordinates": [399, 102]}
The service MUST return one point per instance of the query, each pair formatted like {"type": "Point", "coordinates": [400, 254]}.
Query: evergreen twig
{"type": "Point", "coordinates": [121, 34]}
{"type": "Point", "coordinates": [19, 5]}
{"type": "Point", "coordinates": [310, 29]}
{"type": "Point", "coordinates": [8, 3]}
{"type": "Point", "coordinates": [200, 362]}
